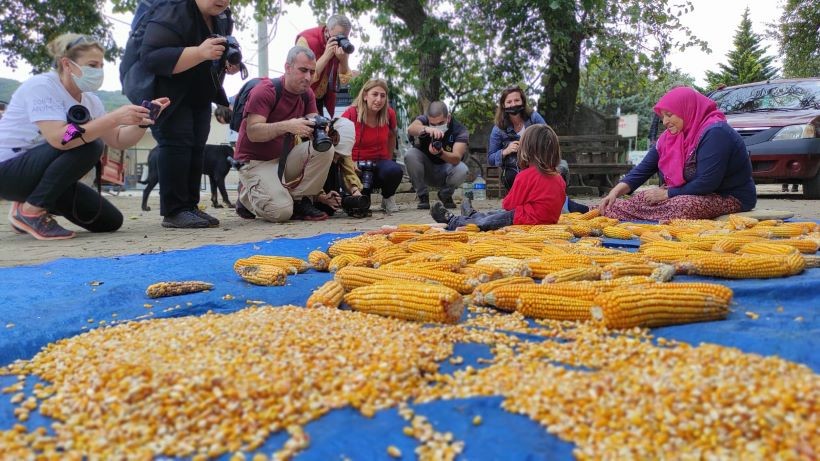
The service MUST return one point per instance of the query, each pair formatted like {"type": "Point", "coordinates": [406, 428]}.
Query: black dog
{"type": "Point", "coordinates": [215, 164]}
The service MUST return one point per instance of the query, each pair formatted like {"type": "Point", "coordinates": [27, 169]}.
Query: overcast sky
{"type": "Point", "coordinates": [712, 20]}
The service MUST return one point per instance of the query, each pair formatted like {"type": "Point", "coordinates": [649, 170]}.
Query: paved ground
{"type": "Point", "coordinates": [142, 233]}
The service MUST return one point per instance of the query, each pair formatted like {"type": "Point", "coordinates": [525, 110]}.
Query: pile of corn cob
{"type": "Point", "coordinates": [579, 279]}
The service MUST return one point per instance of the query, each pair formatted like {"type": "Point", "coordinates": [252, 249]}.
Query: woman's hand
{"type": "Point", "coordinates": [163, 103]}
{"type": "Point", "coordinates": [619, 189]}
{"type": "Point", "coordinates": [512, 148]}
{"type": "Point", "coordinates": [132, 115]}
{"type": "Point", "coordinates": [331, 199]}
{"type": "Point", "coordinates": [212, 48]}
{"type": "Point", "coordinates": [657, 195]}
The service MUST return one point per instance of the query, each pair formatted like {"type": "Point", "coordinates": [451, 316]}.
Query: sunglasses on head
{"type": "Point", "coordinates": [78, 41]}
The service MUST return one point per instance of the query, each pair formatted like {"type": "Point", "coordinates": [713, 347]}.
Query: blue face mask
{"type": "Point", "coordinates": [90, 80]}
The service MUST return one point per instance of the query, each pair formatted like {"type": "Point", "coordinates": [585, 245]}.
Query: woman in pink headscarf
{"type": "Point", "coordinates": [703, 161]}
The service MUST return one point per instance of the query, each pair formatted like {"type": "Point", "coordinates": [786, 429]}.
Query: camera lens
{"type": "Point", "coordinates": [437, 144]}
{"type": "Point", "coordinates": [78, 114]}
{"type": "Point", "coordinates": [345, 44]}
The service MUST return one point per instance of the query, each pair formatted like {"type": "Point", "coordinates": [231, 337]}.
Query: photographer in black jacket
{"type": "Point", "coordinates": [184, 47]}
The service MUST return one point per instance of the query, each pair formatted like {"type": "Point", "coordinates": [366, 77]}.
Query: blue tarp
{"type": "Point", "coordinates": [66, 297]}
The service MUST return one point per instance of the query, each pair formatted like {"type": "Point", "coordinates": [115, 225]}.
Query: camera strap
{"type": "Point", "coordinates": [98, 180]}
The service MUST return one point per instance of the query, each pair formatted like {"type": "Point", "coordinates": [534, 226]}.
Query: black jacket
{"type": "Point", "coordinates": [179, 25]}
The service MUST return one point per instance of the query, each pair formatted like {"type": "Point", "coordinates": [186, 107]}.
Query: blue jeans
{"type": "Point", "coordinates": [485, 221]}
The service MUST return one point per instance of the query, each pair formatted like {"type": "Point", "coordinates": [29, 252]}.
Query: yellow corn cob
{"type": "Point", "coordinates": [328, 295]}
{"type": "Point", "coordinates": [590, 242]}
{"type": "Point", "coordinates": [482, 273]}
{"type": "Point", "coordinates": [505, 297]}
{"type": "Point", "coordinates": [618, 233]}
{"type": "Point", "coordinates": [388, 255]}
{"type": "Point", "coordinates": [805, 246]}
{"type": "Point", "coordinates": [654, 307]}
{"type": "Point", "coordinates": [738, 222]}
{"type": "Point", "coordinates": [787, 230]}
{"type": "Point", "coordinates": [593, 213]}
{"type": "Point", "coordinates": [471, 228]}
{"type": "Point", "coordinates": [290, 264]}
{"type": "Point", "coordinates": [417, 228]}
{"type": "Point", "coordinates": [319, 260]}
{"type": "Point", "coordinates": [442, 237]}
{"type": "Point", "coordinates": [540, 306]}
{"type": "Point", "coordinates": [715, 290]}
{"type": "Point", "coordinates": [484, 288]}
{"type": "Point", "coordinates": [447, 266]}
{"type": "Point", "coordinates": [162, 289]}
{"type": "Point", "coordinates": [589, 289]}
{"type": "Point", "coordinates": [745, 266]}
{"type": "Point", "coordinates": [602, 221]}
{"type": "Point", "coordinates": [663, 273]}
{"type": "Point", "coordinates": [769, 222]}
{"type": "Point", "coordinates": [620, 269]}
{"type": "Point", "coordinates": [357, 276]}
{"type": "Point", "coordinates": [244, 262]}
{"type": "Point", "coordinates": [409, 301]}
{"type": "Point", "coordinates": [346, 259]}
{"type": "Point", "coordinates": [574, 274]}
{"type": "Point", "coordinates": [457, 281]}
{"type": "Point", "coordinates": [509, 267]}
{"type": "Point", "coordinates": [552, 249]}
{"type": "Point", "coordinates": [263, 274]}
{"type": "Point", "coordinates": [655, 236]}
{"type": "Point", "coordinates": [765, 248]}
{"type": "Point", "coordinates": [541, 267]}
{"type": "Point", "coordinates": [402, 236]}
{"type": "Point", "coordinates": [581, 229]}
{"type": "Point", "coordinates": [351, 246]}
{"type": "Point", "coordinates": [510, 250]}
{"type": "Point", "coordinates": [732, 244]}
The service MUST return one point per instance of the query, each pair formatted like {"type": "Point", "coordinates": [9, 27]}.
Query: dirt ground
{"type": "Point", "coordinates": [141, 232]}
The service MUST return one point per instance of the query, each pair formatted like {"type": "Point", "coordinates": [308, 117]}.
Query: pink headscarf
{"type": "Point", "coordinates": [698, 113]}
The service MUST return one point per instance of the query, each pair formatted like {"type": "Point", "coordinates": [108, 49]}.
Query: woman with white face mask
{"type": "Point", "coordinates": [53, 133]}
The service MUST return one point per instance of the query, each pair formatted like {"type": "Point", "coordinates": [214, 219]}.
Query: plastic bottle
{"type": "Point", "coordinates": [479, 188]}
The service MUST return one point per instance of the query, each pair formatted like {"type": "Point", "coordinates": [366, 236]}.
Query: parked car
{"type": "Point", "coordinates": [780, 122]}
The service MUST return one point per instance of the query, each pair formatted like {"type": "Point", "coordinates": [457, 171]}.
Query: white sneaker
{"type": "Point", "coordinates": [389, 205]}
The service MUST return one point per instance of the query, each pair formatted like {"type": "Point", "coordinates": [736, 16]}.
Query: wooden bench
{"type": "Point", "coordinates": [596, 162]}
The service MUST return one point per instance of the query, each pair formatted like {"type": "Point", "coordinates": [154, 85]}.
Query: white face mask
{"type": "Point", "coordinates": [90, 80]}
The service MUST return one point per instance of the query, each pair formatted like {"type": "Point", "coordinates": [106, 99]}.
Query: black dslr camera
{"type": "Point", "coordinates": [511, 161]}
{"type": "Point", "coordinates": [232, 55]}
{"type": "Point", "coordinates": [367, 167]}
{"type": "Point", "coordinates": [321, 140]}
{"type": "Point", "coordinates": [344, 44]}
{"type": "Point", "coordinates": [356, 207]}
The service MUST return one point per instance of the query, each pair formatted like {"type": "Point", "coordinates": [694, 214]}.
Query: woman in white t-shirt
{"type": "Point", "coordinates": [43, 156]}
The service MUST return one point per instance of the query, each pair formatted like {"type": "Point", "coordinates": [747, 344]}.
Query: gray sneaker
{"type": "Point", "coordinates": [184, 220]}
{"type": "Point", "coordinates": [212, 222]}
{"type": "Point", "coordinates": [389, 205]}
{"type": "Point", "coordinates": [41, 227]}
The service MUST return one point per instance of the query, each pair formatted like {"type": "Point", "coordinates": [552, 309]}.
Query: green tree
{"type": "Point", "coordinates": [549, 39]}
{"type": "Point", "coordinates": [798, 35]}
{"type": "Point", "coordinates": [28, 25]}
{"type": "Point", "coordinates": [747, 61]}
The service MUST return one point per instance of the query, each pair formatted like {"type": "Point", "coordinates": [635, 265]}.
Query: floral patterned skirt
{"type": "Point", "coordinates": [638, 208]}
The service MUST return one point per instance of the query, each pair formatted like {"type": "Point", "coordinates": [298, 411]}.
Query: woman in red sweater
{"type": "Point", "coordinates": [537, 195]}
{"type": "Point", "coordinates": [375, 138]}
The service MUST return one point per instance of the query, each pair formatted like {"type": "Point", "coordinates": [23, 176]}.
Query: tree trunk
{"type": "Point", "coordinates": [427, 40]}
{"type": "Point", "coordinates": [560, 83]}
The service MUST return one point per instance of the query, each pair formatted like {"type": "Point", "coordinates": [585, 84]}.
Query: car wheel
{"type": "Point", "coordinates": [811, 187]}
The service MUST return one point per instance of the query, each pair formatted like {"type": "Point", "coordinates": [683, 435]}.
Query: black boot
{"type": "Point", "coordinates": [424, 202]}
{"type": "Point", "coordinates": [440, 214]}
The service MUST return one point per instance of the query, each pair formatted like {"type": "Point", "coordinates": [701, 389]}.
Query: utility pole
{"type": "Point", "coordinates": [262, 40]}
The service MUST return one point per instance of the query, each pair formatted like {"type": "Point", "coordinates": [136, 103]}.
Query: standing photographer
{"type": "Point", "coordinates": [331, 45]}
{"type": "Point", "coordinates": [53, 133]}
{"type": "Point", "coordinates": [278, 176]}
{"type": "Point", "coordinates": [185, 47]}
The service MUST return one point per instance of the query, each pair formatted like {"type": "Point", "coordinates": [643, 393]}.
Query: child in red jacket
{"type": "Point", "coordinates": [536, 197]}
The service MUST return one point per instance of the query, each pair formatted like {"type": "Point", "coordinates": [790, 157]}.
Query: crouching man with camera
{"type": "Point", "coordinates": [54, 132]}
{"type": "Point", "coordinates": [279, 176]}
{"type": "Point", "coordinates": [332, 48]}
{"type": "Point", "coordinates": [435, 158]}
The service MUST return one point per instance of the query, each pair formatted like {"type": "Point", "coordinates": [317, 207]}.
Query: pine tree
{"type": "Point", "coordinates": [799, 39]}
{"type": "Point", "coordinates": [747, 62]}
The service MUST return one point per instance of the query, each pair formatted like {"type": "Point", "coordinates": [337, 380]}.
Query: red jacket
{"type": "Point", "coordinates": [316, 41]}
{"type": "Point", "coordinates": [536, 198]}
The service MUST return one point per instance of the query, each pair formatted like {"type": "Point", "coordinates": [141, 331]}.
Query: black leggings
{"type": "Point", "coordinates": [48, 178]}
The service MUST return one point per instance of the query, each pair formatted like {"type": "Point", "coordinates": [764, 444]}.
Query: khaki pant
{"type": "Point", "coordinates": [262, 191]}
